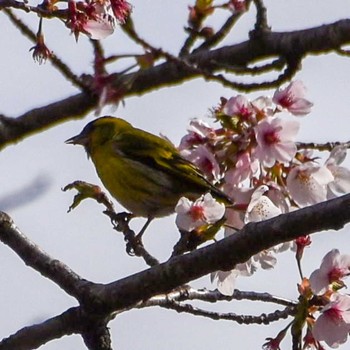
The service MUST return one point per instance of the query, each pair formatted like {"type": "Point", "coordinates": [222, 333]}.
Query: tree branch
{"type": "Point", "coordinates": [327, 146]}
{"type": "Point", "coordinates": [222, 33]}
{"type": "Point", "coordinates": [36, 335]}
{"type": "Point", "coordinates": [35, 257]}
{"type": "Point", "coordinates": [100, 301]}
{"type": "Point", "coordinates": [213, 296]}
{"type": "Point", "coordinates": [291, 45]}
{"type": "Point", "coordinates": [40, 10]}
{"type": "Point", "coordinates": [229, 316]}
{"type": "Point", "coordinates": [223, 255]}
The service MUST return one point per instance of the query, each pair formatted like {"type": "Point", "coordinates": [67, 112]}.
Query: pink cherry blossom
{"type": "Point", "coordinates": [98, 30]}
{"type": "Point", "coordinates": [276, 140]}
{"type": "Point", "coordinates": [198, 133]}
{"type": "Point", "coordinates": [333, 269]}
{"type": "Point", "coordinates": [205, 210]}
{"type": "Point", "coordinates": [225, 281]}
{"type": "Point", "coordinates": [263, 106]}
{"type": "Point", "coordinates": [341, 182]}
{"type": "Point", "coordinates": [96, 18]}
{"type": "Point", "coordinates": [307, 183]}
{"type": "Point", "coordinates": [266, 259]}
{"type": "Point", "coordinates": [261, 207]}
{"type": "Point", "coordinates": [333, 325]}
{"type": "Point", "coordinates": [204, 160]}
{"type": "Point", "coordinates": [241, 197]}
{"type": "Point", "coordinates": [238, 106]}
{"type": "Point", "coordinates": [245, 168]}
{"type": "Point", "coordinates": [292, 99]}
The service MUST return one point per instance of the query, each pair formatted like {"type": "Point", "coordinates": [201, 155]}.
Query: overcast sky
{"type": "Point", "coordinates": [84, 239]}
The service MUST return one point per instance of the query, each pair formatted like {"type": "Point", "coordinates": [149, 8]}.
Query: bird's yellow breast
{"type": "Point", "coordinates": [142, 190]}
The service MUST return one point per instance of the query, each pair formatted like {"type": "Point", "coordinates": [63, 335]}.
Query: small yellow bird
{"type": "Point", "coordinates": [143, 172]}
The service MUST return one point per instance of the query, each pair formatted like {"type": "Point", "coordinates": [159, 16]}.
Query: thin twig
{"type": "Point", "coordinates": [285, 76]}
{"type": "Point", "coordinates": [189, 42]}
{"type": "Point", "coordinates": [291, 69]}
{"type": "Point", "coordinates": [186, 293]}
{"type": "Point", "coordinates": [120, 221]}
{"type": "Point", "coordinates": [40, 10]}
{"type": "Point", "coordinates": [222, 33]}
{"type": "Point", "coordinates": [277, 64]}
{"type": "Point", "coordinates": [134, 245]}
{"type": "Point", "coordinates": [230, 316]}
{"type": "Point", "coordinates": [261, 24]}
{"type": "Point", "coordinates": [328, 146]}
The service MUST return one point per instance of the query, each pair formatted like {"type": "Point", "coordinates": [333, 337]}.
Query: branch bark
{"type": "Point", "coordinates": [99, 301]}
{"type": "Point", "coordinates": [292, 46]}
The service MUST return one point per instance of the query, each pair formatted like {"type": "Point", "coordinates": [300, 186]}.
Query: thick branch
{"type": "Point", "coordinates": [101, 300]}
{"type": "Point", "coordinates": [36, 335]}
{"type": "Point", "coordinates": [290, 45]}
{"type": "Point", "coordinates": [35, 257]}
{"type": "Point", "coordinates": [225, 254]}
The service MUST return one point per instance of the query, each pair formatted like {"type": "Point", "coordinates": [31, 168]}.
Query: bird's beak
{"type": "Point", "coordinates": [80, 139]}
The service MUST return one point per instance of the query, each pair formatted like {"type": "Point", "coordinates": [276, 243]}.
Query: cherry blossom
{"type": "Point", "coordinates": [333, 269]}
{"type": "Point", "coordinates": [333, 325]}
{"type": "Point", "coordinates": [307, 183]}
{"type": "Point", "coordinates": [225, 281]}
{"type": "Point", "coordinates": [276, 140]}
{"type": "Point", "coordinates": [205, 160]}
{"type": "Point", "coordinates": [292, 99]}
{"type": "Point", "coordinates": [241, 197]}
{"type": "Point", "coordinates": [244, 169]}
{"type": "Point", "coordinates": [266, 259]}
{"type": "Point", "coordinates": [191, 215]}
{"type": "Point", "coordinates": [262, 107]}
{"type": "Point", "coordinates": [98, 30]}
{"type": "Point", "coordinates": [96, 18]}
{"type": "Point", "coordinates": [341, 182]}
{"type": "Point", "coordinates": [238, 106]}
{"type": "Point", "coordinates": [261, 207]}
{"type": "Point", "coordinates": [198, 133]}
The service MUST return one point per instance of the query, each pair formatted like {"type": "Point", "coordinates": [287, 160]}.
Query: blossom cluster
{"type": "Point", "coordinates": [96, 18]}
{"type": "Point", "coordinates": [254, 158]}
{"type": "Point", "coordinates": [326, 311]}
{"type": "Point", "coordinates": [333, 324]}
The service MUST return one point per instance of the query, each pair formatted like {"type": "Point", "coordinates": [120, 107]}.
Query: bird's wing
{"type": "Point", "coordinates": [160, 154]}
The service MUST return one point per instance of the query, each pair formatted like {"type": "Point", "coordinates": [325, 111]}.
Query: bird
{"type": "Point", "coordinates": [145, 173]}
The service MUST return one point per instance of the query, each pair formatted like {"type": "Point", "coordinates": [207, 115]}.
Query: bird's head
{"type": "Point", "coordinates": [98, 132]}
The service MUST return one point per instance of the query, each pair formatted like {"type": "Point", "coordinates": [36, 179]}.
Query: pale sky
{"type": "Point", "coordinates": [84, 238]}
